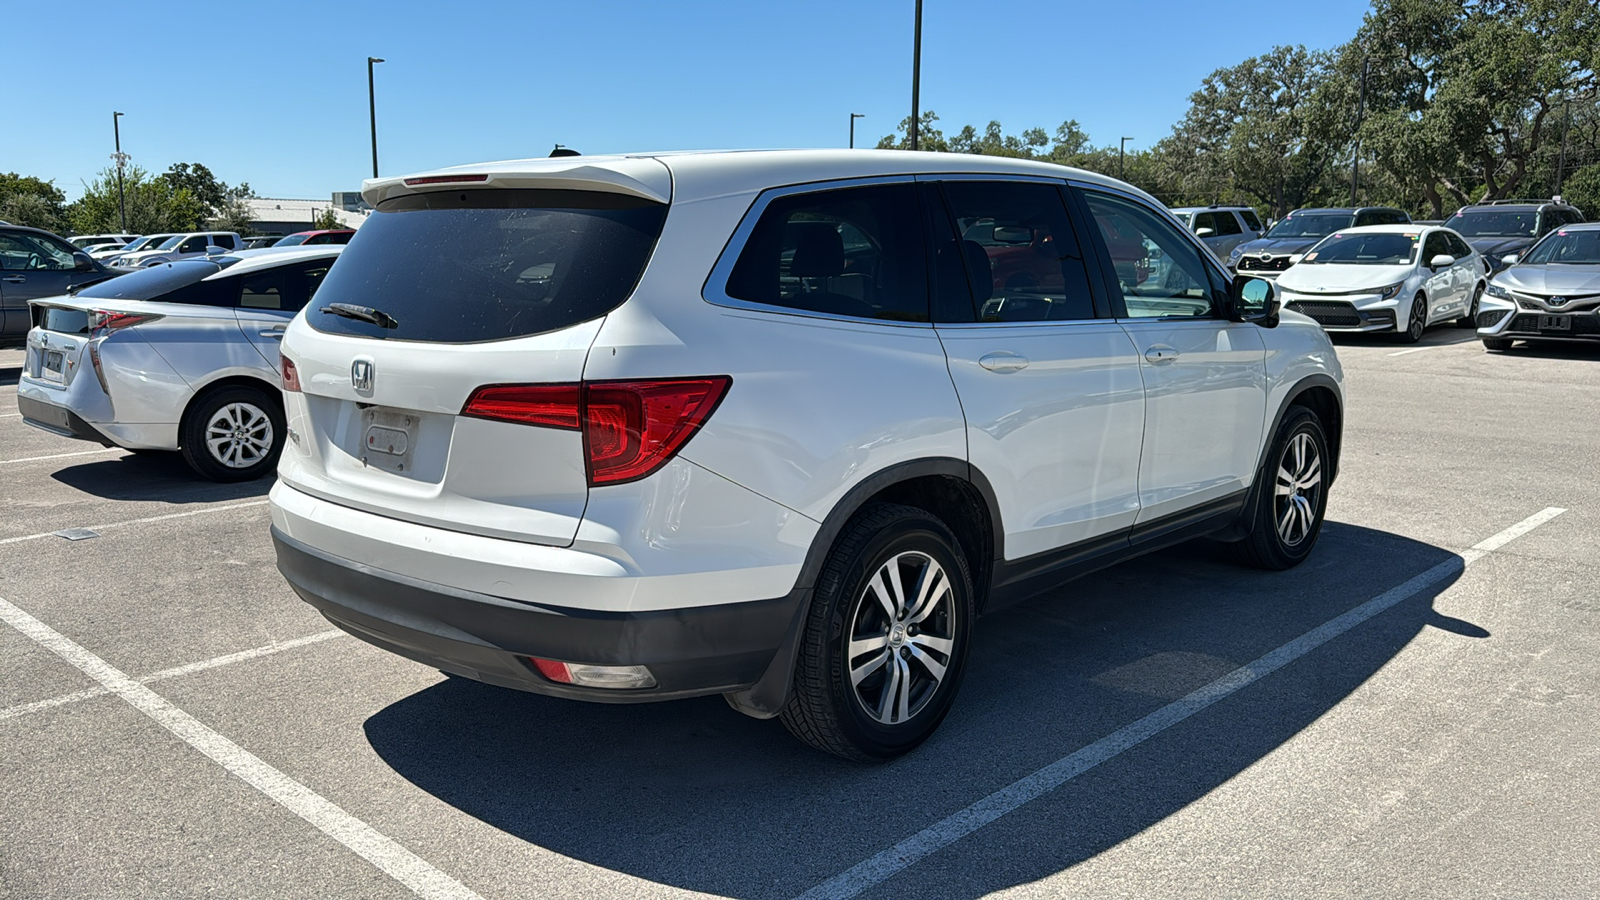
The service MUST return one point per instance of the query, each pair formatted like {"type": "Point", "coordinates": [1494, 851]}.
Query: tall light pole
{"type": "Point", "coordinates": [1122, 149]}
{"type": "Point", "coordinates": [372, 108]}
{"type": "Point", "coordinates": [916, 75]}
{"type": "Point", "coordinates": [121, 160]}
{"type": "Point", "coordinates": [1566, 125]}
{"type": "Point", "coordinates": [1361, 107]}
{"type": "Point", "coordinates": [853, 118]}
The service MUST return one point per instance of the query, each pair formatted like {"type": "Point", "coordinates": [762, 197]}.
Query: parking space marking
{"type": "Point", "coordinates": [7, 462]}
{"type": "Point", "coordinates": [1471, 340]}
{"type": "Point", "coordinates": [10, 415]}
{"type": "Point", "coordinates": [367, 842]}
{"type": "Point", "coordinates": [947, 831]}
{"type": "Point", "coordinates": [191, 668]}
{"type": "Point", "coordinates": [147, 519]}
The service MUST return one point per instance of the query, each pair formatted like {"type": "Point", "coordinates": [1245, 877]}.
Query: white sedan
{"type": "Point", "coordinates": [1387, 278]}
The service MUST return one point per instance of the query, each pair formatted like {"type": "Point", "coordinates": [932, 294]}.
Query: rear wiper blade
{"type": "Point", "coordinates": [364, 313]}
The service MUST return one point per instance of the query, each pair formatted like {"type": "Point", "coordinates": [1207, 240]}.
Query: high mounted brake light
{"type": "Point", "coordinates": [445, 179]}
{"type": "Point", "coordinates": [630, 428]}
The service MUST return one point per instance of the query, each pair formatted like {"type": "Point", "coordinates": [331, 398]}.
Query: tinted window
{"type": "Point", "coordinates": [1458, 247]}
{"type": "Point", "coordinates": [848, 252]}
{"type": "Point", "coordinates": [1434, 245]}
{"type": "Point", "coordinates": [1493, 223]}
{"type": "Point", "coordinates": [152, 283]}
{"type": "Point", "coordinates": [25, 252]}
{"type": "Point", "coordinates": [1205, 220]}
{"type": "Point", "coordinates": [484, 265]}
{"type": "Point", "coordinates": [1158, 270]}
{"type": "Point", "coordinates": [285, 287]}
{"type": "Point", "coordinates": [1309, 225]}
{"type": "Point", "coordinates": [1021, 257]}
{"type": "Point", "coordinates": [196, 244]}
{"type": "Point", "coordinates": [1227, 224]}
{"type": "Point", "coordinates": [1250, 220]}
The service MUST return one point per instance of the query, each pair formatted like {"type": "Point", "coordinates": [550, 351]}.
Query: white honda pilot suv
{"type": "Point", "coordinates": [775, 425]}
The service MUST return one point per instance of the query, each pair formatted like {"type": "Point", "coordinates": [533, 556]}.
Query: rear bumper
{"type": "Point", "coordinates": [691, 651]}
{"type": "Point", "coordinates": [58, 420]}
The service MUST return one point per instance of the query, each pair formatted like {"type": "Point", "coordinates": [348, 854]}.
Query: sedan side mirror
{"type": "Point", "coordinates": [1510, 259]}
{"type": "Point", "coordinates": [1204, 232]}
{"type": "Point", "coordinates": [82, 262]}
{"type": "Point", "coordinates": [1442, 260]}
{"type": "Point", "coordinates": [1252, 299]}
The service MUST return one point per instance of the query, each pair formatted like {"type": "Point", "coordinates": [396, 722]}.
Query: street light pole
{"type": "Point", "coordinates": [916, 75]}
{"type": "Point", "coordinates": [1122, 149]}
{"type": "Point", "coordinates": [122, 203]}
{"type": "Point", "coordinates": [1361, 106]}
{"type": "Point", "coordinates": [853, 118]}
{"type": "Point", "coordinates": [372, 109]}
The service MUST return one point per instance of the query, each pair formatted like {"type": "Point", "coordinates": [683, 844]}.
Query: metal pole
{"type": "Point", "coordinates": [372, 109]}
{"type": "Point", "coordinates": [122, 203]}
{"type": "Point", "coordinates": [916, 75]}
{"type": "Point", "coordinates": [1121, 152]}
{"type": "Point", "coordinates": [853, 118]}
{"type": "Point", "coordinates": [1361, 108]}
{"type": "Point", "coordinates": [1566, 125]}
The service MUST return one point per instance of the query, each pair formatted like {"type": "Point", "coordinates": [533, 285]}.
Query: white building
{"type": "Point", "coordinates": [276, 215]}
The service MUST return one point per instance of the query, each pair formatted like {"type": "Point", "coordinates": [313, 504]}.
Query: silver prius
{"type": "Point", "coordinates": [181, 356]}
{"type": "Point", "coordinates": [1550, 294]}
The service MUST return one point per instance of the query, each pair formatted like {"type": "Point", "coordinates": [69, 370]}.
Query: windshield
{"type": "Point", "coordinates": [171, 242]}
{"type": "Point", "coordinates": [1502, 223]}
{"type": "Point", "coordinates": [291, 240]}
{"type": "Point", "coordinates": [143, 284]}
{"type": "Point", "coordinates": [1386, 249]}
{"type": "Point", "coordinates": [1567, 248]}
{"type": "Point", "coordinates": [1310, 225]}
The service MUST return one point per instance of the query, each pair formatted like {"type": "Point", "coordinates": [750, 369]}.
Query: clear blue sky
{"type": "Point", "coordinates": [275, 94]}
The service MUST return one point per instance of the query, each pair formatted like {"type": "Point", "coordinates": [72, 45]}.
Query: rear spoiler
{"type": "Point", "coordinates": [643, 177]}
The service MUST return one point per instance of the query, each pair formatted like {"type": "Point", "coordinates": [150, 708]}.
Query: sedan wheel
{"type": "Point", "coordinates": [1417, 321]}
{"type": "Point", "coordinates": [239, 435]}
{"type": "Point", "coordinates": [233, 434]}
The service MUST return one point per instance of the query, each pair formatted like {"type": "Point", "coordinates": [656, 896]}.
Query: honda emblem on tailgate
{"type": "Point", "coordinates": [361, 376]}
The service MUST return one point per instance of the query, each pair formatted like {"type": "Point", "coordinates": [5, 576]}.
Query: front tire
{"type": "Point", "coordinates": [1470, 320]}
{"type": "Point", "coordinates": [886, 638]}
{"type": "Point", "coordinates": [1288, 522]}
{"type": "Point", "coordinates": [1416, 320]}
{"type": "Point", "coordinates": [233, 434]}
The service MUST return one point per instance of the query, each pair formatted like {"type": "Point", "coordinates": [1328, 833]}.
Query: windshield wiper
{"type": "Point", "coordinates": [363, 313]}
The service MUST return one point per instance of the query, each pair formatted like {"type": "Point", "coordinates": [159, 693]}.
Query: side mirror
{"type": "Point", "coordinates": [82, 262]}
{"type": "Point", "coordinates": [214, 250]}
{"type": "Point", "coordinates": [1442, 260]}
{"type": "Point", "coordinates": [1204, 232]}
{"type": "Point", "coordinates": [1252, 299]}
{"type": "Point", "coordinates": [1510, 259]}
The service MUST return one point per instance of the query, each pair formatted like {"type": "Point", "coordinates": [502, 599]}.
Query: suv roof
{"type": "Point", "coordinates": [1212, 208]}
{"type": "Point", "coordinates": [1516, 205]}
{"type": "Point", "coordinates": [1345, 209]}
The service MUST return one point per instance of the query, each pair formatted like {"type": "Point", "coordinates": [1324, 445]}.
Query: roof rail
{"type": "Point", "coordinates": [1509, 202]}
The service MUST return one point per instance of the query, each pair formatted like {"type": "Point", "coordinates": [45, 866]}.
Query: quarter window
{"type": "Point", "coordinates": [1019, 257]}
{"type": "Point", "coordinates": [1158, 269]}
{"type": "Point", "coordinates": [847, 252]}
{"type": "Point", "coordinates": [1250, 220]}
{"type": "Point", "coordinates": [283, 287]}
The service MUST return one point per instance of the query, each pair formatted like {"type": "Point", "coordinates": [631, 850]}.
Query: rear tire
{"type": "Point", "coordinates": [877, 669]}
{"type": "Point", "coordinates": [1498, 345]}
{"type": "Point", "coordinates": [1289, 520]}
{"type": "Point", "coordinates": [233, 434]}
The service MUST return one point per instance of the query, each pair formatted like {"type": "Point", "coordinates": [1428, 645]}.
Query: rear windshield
{"type": "Point", "coordinates": [461, 267]}
{"type": "Point", "coordinates": [147, 284]}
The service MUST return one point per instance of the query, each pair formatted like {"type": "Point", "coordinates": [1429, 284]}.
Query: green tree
{"type": "Point", "coordinates": [26, 200]}
{"type": "Point", "coordinates": [1582, 189]}
{"type": "Point", "coordinates": [154, 205]}
{"type": "Point", "coordinates": [327, 220]}
{"type": "Point", "coordinates": [929, 138]}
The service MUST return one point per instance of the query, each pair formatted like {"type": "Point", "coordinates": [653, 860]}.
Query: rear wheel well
{"type": "Point", "coordinates": [272, 391]}
{"type": "Point", "coordinates": [962, 508]}
{"type": "Point", "coordinates": [1325, 405]}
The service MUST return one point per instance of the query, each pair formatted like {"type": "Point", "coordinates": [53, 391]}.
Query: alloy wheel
{"type": "Point", "coordinates": [1299, 489]}
{"type": "Point", "coordinates": [901, 642]}
{"type": "Point", "coordinates": [239, 435]}
{"type": "Point", "coordinates": [1418, 322]}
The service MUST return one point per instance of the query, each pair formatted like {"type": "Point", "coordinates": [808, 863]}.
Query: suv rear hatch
{"type": "Point", "coordinates": [442, 293]}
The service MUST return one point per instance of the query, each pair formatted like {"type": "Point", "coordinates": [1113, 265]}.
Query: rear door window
{"type": "Point", "coordinates": [1021, 257]}
{"type": "Point", "coordinates": [196, 244]}
{"type": "Point", "coordinates": [482, 265]}
{"type": "Point", "coordinates": [856, 251]}
{"type": "Point", "coordinates": [1227, 224]}
{"type": "Point", "coordinates": [286, 287]}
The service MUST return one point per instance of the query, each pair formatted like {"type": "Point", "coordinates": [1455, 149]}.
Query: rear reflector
{"type": "Point", "coordinates": [583, 675]}
{"type": "Point", "coordinates": [291, 378]}
{"type": "Point", "coordinates": [445, 179]}
{"type": "Point", "coordinates": [630, 428]}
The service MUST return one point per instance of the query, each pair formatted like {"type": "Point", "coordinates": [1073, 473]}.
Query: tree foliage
{"type": "Point", "coordinates": [154, 204]}
{"type": "Point", "coordinates": [327, 220]}
{"type": "Point", "coordinates": [26, 200]}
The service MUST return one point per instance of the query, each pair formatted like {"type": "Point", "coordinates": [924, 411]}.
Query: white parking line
{"type": "Point", "coordinates": [177, 515]}
{"type": "Point", "coordinates": [10, 415]}
{"type": "Point", "coordinates": [191, 668]}
{"type": "Point", "coordinates": [1471, 340]}
{"type": "Point", "coordinates": [367, 842]}
{"type": "Point", "coordinates": [7, 462]}
{"type": "Point", "coordinates": [941, 834]}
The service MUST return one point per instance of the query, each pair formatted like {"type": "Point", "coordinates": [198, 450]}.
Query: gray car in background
{"type": "Point", "coordinates": [35, 263]}
{"type": "Point", "coordinates": [1221, 228]}
{"type": "Point", "coordinates": [1551, 294]}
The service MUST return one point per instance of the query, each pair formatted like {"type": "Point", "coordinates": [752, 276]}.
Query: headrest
{"type": "Point", "coordinates": [818, 250]}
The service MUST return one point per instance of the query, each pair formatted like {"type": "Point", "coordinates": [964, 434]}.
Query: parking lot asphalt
{"type": "Point", "coordinates": [1402, 716]}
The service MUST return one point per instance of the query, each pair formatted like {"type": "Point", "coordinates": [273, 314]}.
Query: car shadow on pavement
{"type": "Point", "coordinates": [693, 795]}
{"type": "Point", "coordinates": [1554, 350]}
{"type": "Point", "coordinates": [10, 374]}
{"type": "Point", "coordinates": [154, 476]}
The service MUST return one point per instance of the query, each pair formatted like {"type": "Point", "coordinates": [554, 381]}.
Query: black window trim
{"type": "Point", "coordinates": [1119, 307]}
{"type": "Point", "coordinates": [1102, 303]}
{"type": "Point", "coordinates": [715, 289]}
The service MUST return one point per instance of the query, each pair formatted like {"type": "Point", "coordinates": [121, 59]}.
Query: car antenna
{"type": "Point", "coordinates": [564, 151]}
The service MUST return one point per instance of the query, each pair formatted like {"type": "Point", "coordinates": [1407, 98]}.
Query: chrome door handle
{"type": "Point", "coordinates": [274, 333]}
{"type": "Point", "coordinates": [16, 279]}
{"type": "Point", "coordinates": [1161, 354]}
{"type": "Point", "coordinates": [1004, 361]}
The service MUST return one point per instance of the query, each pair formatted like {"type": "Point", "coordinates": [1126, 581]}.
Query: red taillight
{"type": "Point", "coordinates": [550, 405]}
{"type": "Point", "coordinates": [291, 377]}
{"type": "Point", "coordinates": [630, 428]}
{"type": "Point", "coordinates": [549, 668]}
{"type": "Point", "coordinates": [445, 179]}
{"type": "Point", "coordinates": [102, 323]}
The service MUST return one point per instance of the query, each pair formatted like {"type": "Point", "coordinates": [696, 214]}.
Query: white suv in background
{"type": "Point", "coordinates": [775, 424]}
{"type": "Point", "coordinates": [1221, 228]}
{"type": "Point", "coordinates": [183, 246]}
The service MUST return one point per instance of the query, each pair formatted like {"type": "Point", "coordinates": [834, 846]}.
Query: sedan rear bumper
{"type": "Point", "coordinates": [58, 420]}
